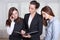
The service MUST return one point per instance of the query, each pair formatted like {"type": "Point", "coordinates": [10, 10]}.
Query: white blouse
{"type": "Point", "coordinates": [10, 29]}
{"type": "Point", "coordinates": [29, 20]}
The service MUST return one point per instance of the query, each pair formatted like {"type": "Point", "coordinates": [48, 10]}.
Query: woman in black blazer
{"type": "Point", "coordinates": [14, 23]}
{"type": "Point", "coordinates": [33, 22]}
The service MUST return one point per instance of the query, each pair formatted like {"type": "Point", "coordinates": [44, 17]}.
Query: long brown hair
{"type": "Point", "coordinates": [8, 21]}
{"type": "Point", "coordinates": [49, 11]}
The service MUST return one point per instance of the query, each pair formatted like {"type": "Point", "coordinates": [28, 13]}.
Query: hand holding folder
{"type": "Point", "coordinates": [27, 35]}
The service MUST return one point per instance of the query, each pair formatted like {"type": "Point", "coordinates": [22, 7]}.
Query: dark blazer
{"type": "Point", "coordinates": [17, 27]}
{"type": "Point", "coordinates": [36, 25]}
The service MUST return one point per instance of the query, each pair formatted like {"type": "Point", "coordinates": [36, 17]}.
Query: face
{"type": "Point", "coordinates": [32, 8]}
{"type": "Point", "coordinates": [15, 14]}
{"type": "Point", "coordinates": [45, 15]}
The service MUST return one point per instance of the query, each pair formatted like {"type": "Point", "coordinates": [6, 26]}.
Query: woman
{"type": "Point", "coordinates": [33, 22]}
{"type": "Point", "coordinates": [52, 31]}
{"type": "Point", "coordinates": [14, 24]}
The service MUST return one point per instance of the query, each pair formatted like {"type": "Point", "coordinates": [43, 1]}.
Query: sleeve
{"type": "Point", "coordinates": [22, 26]}
{"type": "Point", "coordinates": [24, 23]}
{"type": "Point", "coordinates": [40, 25]}
{"type": "Point", "coordinates": [10, 29]}
{"type": "Point", "coordinates": [56, 30]}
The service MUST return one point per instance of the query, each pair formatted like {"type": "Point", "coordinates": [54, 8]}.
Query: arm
{"type": "Point", "coordinates": [24, 23]}
{"type": "Point", "coordinates": [23, 31]}
{"type": "Point", "coordinates": [10, 29]}
{"type": "Point", "coordinates": [40, 27]}
{"type": "Point", "coordinates": [55, 30]}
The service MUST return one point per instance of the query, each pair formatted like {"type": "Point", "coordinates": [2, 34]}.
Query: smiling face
{"type": "Point", "coordinates": [32, 8]}
{"type": "Point", "coordinates": [15, 14]}
{"type": "Point", "coordinates": [45, 15]}
{"type": "Point", "coordinates": [47, 12]}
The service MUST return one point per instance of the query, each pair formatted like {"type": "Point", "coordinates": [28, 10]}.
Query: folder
{"type": "Point", "coordinates": [27, 33]}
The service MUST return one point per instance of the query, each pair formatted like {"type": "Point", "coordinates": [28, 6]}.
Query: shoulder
{"type": "Point", "coordinates": [27, 14]}
{"type": "Point", "coordinates": [56, 21]}
{"type": "Point", "coordinates": [20, 20]}
{"type": "Point", "coordinates": [39, 16]}
{"type": "Point", "coordinates": [56, 25]}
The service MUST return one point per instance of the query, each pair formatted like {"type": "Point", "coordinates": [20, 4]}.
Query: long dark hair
{"type": "Point", "coordinates": [8, 21]}
{"type": "Point", "coordinates": [49, 11]}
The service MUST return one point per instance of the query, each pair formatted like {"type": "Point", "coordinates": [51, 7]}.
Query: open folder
{"type": "Point", "coordinates": [27, 33]}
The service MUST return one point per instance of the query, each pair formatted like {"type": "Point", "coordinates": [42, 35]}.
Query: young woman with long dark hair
{"type": "Point", "coordinates": [52, 31]}
{"type": "Point", "coordinates": [14, 23]}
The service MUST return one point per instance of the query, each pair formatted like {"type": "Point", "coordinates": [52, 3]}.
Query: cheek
{"type": "Point", "coordinates": [16, 15]}
{"type": "Point", "coordinates": [44, 16]}
{"type": "Point", "coordinates": [31, 10]}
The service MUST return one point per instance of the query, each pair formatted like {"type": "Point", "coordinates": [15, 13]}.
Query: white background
{"type": "Point", "coordinates": [23, 8]}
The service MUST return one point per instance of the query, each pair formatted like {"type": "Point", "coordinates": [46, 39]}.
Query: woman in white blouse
{"type": "Point", "coordinates": [14, 23]}
{"type": "Point", "coordinates": [33, 22]}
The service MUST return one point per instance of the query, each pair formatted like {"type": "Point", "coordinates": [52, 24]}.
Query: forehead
{"type": "Point", "coordinates": [14, 11]}
{"type": "Point", "coordinates": [43, 12]}
{"type": "Point", "coordinates": [32, 5]}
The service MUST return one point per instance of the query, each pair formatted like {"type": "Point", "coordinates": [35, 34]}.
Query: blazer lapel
{"type": "Point", "coordinates": [27, 18]}
{"type": "Point", "coordinates": [33, 20]}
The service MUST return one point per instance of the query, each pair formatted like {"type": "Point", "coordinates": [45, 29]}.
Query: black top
{"type": "Point", "coordinates": [17, 27]}
{"type": "Point", "coordinates": [36, 25]}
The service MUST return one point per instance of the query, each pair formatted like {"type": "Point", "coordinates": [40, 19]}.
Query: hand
{"type": "Point", "coordinates": [27, 36]}
{"type": "Point", "coordinates": [11, 18]}
{"type": "Point", "coordinates": [23, 32]}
